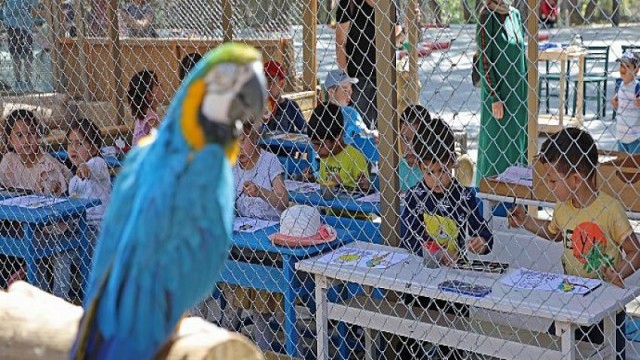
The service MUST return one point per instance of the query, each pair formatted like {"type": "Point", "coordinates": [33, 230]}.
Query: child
{"type": "Point", "coordinates": [144, 97]}
{"type": "Point", "coordinates": [261, 194]}
{"type": "Point", "coordinates": [626, 101]}
{"type": "Point", "coordinates": [259, 180]}
{"type": "Point", "coordinates": [592, 226]}
{"type": "Point", "coordinates": [439, 208]}
{"type": "Point", "coordinates": [339, 89]}
{"type": "Point", "coordinates": [282, 114]}
{"type": "Point", "coordinates": [19, 22]}
{"type": "Point", "coordinates": [92, 179]}
{"type": "Point", "coordinates": [340, 164]}
{"type": "Point", "coordinates": [408, 169]}
{"type": "Point", "coordinates": [27, 167]}
{"type": "Point", "coordinates": [187, 63]}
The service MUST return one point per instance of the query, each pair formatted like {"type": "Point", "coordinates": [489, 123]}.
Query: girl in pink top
{"type": "Point", "coordinates": [144, 96]}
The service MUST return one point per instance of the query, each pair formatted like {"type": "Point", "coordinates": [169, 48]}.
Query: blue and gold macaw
{"type": "Point", "coordinates": [168, 228]}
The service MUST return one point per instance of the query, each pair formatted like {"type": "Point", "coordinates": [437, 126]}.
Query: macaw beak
{"type": "Point", "coordinates": [250, 100]}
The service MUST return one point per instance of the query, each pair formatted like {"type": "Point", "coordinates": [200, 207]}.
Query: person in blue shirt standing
{"type": "Point", "coordinates": [18, 21]}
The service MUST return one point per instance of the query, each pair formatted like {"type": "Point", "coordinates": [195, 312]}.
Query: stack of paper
{"type": "Point", "coordinates": [301, 187]}
{"type": "Point", "coordinates": [31, 201]}
{"type": "Point", "coordinates": [372, 259]}
{"type": "Point", "coordinates": [243, 224]}
{"type": "Point", "coordinates": [516, 174]}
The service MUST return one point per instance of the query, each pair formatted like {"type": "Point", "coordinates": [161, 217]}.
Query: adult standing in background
{"type": "Point", "coordinates": [356, 52]}
{"type": "Point", "coordinates": [18, 21]}
{"type": "Point", "coordinates": [503, 132]}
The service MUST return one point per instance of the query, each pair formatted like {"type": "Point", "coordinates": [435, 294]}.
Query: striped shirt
{"type": "Point", "coordinates": [628, 113]}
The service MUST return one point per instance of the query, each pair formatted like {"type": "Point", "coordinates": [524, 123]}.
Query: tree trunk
{"type": "Point", "coordinates": [575, 16]}
{"type": "Point", "coordinates": [436, 10]}
{"type": "Point", "coordinates": [37, 325]}
{"type": "Point", "coordinates": [615, 12]}
{"type": "Point", "coordinates": [592, 11]}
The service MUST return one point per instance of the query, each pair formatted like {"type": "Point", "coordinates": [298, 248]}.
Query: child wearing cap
{"type": "Point", "coordinates": [282, 114]}
{"type": "Point", "coordinates": [339, 90]}
{"type": "Point", "coordinates": [340, 164]}
{"type": "Point", "coordinates": [626, 101]}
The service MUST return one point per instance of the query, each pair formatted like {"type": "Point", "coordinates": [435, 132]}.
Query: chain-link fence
{"type": "Point", "coordinates": [391, 205]}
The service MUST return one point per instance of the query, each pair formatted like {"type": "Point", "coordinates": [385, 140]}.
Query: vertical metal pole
{"type": "Point", "coordinates": [116, 57]}
{"type": "Point", "coordinates": [227, 24]}
{"type": "Point", "coordinates": [82, 55]}
{"type": "Point", "coordinates": [385, 14]}
{"type": "Point", "coordinates": [55, 36]}
{"type": "Point", "coordinates": [309, 40]}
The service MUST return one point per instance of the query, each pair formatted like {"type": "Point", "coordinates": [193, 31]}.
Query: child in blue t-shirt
{"type": "Point", "coordinates": [339, 89]}
{"type": "Point", "coordinates": [626, 101]}
{"type": "Point", "coordinates": [408, 169]}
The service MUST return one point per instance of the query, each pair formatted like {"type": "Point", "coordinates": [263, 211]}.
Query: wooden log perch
{"type": "Point", "coordinates": [37, 325]}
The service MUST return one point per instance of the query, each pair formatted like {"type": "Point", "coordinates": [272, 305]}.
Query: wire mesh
{"type": "Point", "coordinates": [348, 143]}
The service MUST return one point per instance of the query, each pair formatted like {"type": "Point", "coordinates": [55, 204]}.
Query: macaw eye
{"type": "Point", "coordinates": [223, 76]}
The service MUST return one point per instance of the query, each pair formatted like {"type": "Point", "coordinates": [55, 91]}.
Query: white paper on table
{"type": "Point", "coordinates": [301, 186]}
{"type": "Point", "coordinates": [372, 259]}
{"type": "Point", "coordinates": [517, 174]}
{"type": "Point", "coordinates": [538, 280]}
{"type": "Point", "coordinates": [31, 201]}
{"type": "Point", "coordinates": [244, 224]}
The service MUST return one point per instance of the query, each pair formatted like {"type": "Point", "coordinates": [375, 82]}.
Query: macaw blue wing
{"type": "Point", "coordinates": [156, 241]}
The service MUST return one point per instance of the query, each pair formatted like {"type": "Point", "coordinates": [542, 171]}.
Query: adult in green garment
{"type": "Point", "coordinates": [503, 132]}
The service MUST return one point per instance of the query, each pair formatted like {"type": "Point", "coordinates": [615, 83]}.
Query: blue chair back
{"type": "Point", "coordinates": [367, 147]}
{"type": "Point", "coordinates": [362, 230]}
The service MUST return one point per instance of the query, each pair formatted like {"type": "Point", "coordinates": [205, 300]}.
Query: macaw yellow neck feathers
{"type": "Point", "coordinates": [191, 129]}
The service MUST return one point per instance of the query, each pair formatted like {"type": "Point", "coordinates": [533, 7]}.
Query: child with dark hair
{"type": "Point", "coordinates": [144, 96]}
{"type": "Point", "coordinates": [92, 179]}
{"type": "Point", "coordinates": [570, 159]}
{"type": "Point", "coordinates": [187, 63]}
{"type": "Point", "coordinates": [439, 208]}
{"type": "Point", "coordinates": [408, 170]}
{"type": "Point", "coordinates": [340, 164]}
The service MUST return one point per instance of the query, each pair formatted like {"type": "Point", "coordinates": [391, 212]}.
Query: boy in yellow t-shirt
{"type": "Point", "coordinates": [340, 164]}
{"type": "Point", "coordinates": [592, 225]}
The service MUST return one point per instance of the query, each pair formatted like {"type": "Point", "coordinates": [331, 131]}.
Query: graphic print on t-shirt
{"type": "Point", "coordinates": [588, 244]}
{"type": "Point", "coordinates": [442, 229]}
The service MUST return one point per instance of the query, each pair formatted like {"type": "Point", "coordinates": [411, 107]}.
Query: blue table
{"type": "Point", "coordinates": [342, 201]}
{"type": "Point", "coordinates": [295, 154]}
{"type": "Point", "coordinates": [276, 279]}
{"type": "Point", "coordinates": [24, 243]}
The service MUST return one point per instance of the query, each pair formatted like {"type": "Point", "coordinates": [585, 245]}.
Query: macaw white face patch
{"type": "Point", "coordinates": [224, 82]}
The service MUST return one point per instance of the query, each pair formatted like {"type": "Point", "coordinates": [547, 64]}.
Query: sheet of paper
{"type": "Point", "coordinates": [243, 224]}
{"type": "Point", "coordinates": [538, 280]}
{"type": "Point", "coordinates": [515, 174]}
{"type": "Point", "coordinates": [301, 186]}
{"type": "Point", "coordinates": [291, 137]}
{"type": "Point", "coordinates": [31, 201]}
{"type": "Point", "coordinates": [363, 258]}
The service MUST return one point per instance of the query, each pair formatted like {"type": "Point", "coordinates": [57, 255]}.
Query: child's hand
{"type": "Point", "coordinates": [637, 102]}
{"type": "Point", "coordinates": [614, 102]}
{"type": "Point", "coordinates": [517, 216]}
{"type": "Point", "coordinates": [251, 189]}
{"type": "Point", "coordinates": [611, 275]}
{"type": "Point", "coordinates": [449, 258]}
{"type": "Point", "coordinates": [83, 171]}
{"type": "Point", "coordinates": [307, 175]}
{"type": "Point", "coordinates": [363, 183]}
{"type": "Point", "coordinates": [477, 245]}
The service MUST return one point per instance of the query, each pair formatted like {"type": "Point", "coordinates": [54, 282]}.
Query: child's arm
{"type": "Point", "coordinates": [481, 241]}
{"type": "Point", "coordinates": [614, 101]}
{"type": "Point", "coordinates": [626, 266]}
{"type": "Point", "coordinates": [519, 218]}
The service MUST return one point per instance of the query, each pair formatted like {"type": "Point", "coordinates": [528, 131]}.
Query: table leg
{"type": "Point", "coordinates": [487, 211]}
{"type": "Point", "coordinates": [567, 333]}
{"type": "Point", "coordinates": [322, 326]}
{"type": "Point", "coordinates": [291, 333]}
{"type": "Point", "coordinates": [30, 259]}
{"type": "Point", "coordinates": [563, 79]}
{"type": "Point", "coordinates": [369, 344]}
{"type": "Point", "coordinates": [610, 338]}
{"type": "Point", "coordinates": [580, 91]}
{"type": "Point", "coordinates": [85, 256]}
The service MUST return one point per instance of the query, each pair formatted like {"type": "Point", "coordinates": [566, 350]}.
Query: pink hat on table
{"type": "Point", "coordinates": [300, 225]}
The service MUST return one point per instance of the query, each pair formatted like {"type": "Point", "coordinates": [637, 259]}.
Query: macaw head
{"type": "Point", "coordinates": [225, 88]}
